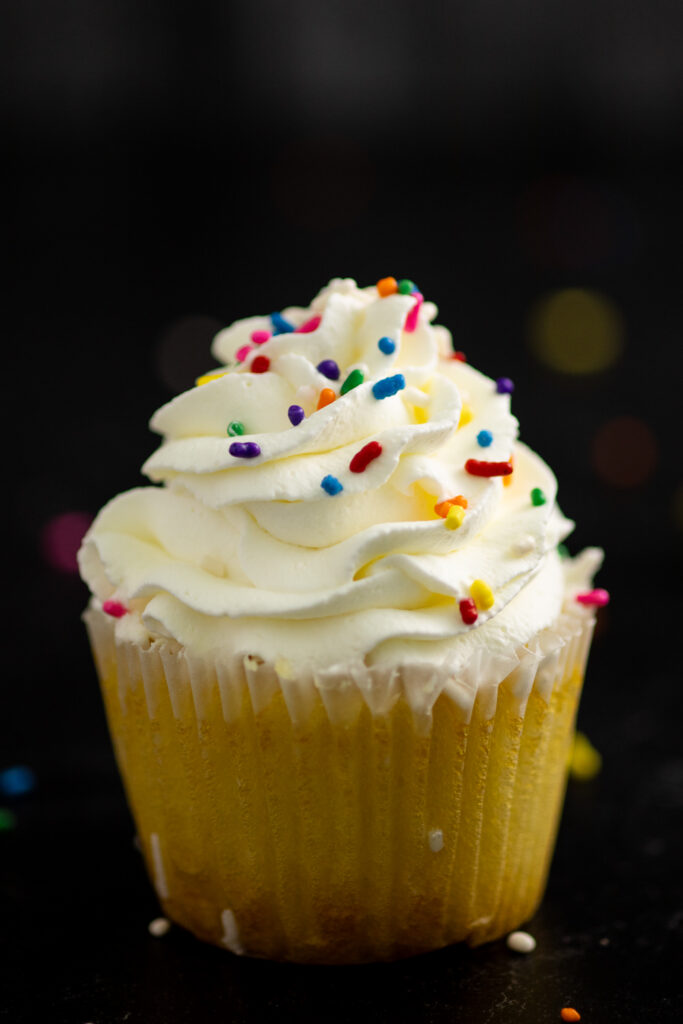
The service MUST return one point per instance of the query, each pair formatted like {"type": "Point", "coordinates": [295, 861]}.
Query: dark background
{"type": "Point", "coordinates": [168, 168]}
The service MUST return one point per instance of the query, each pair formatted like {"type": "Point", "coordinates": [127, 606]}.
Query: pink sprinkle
{"type": "Point", "coordinates": [411, 319]}
{"type": "Point", "coordinates": [310, 325]}
{"type": "Point", "coordinates": [596, 598]}
{"type": "Point", "coordinates": [114, 608]}
{"type": "Point", "coordinates": [242, 353]}
{"type": "Point", "coordinates": [259, 337]}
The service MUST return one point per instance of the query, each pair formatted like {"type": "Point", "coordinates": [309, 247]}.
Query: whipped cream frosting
{"type": "Point", "coordinates": [252, 556]}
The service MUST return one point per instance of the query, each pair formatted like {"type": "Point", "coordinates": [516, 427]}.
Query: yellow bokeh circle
{"type": "Point", "coordinates": [576, 331]}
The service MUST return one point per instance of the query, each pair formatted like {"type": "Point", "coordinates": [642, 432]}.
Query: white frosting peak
{"type": "Point", "coordinates": [252, 555]}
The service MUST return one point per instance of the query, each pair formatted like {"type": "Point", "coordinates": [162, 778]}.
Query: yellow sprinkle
{"type": "Point", "coordinates": [456, 514]}
{"type": "Point", "coordinates": [482, 595]}
{"type": "Point", "coordinates": [206, 377]}
{"type": "Point", "coordinates": [466, 415]}
{"type": "Point", "coordinates": [420, 414]}
{"type": "Point", "coordinates": [584, 760]}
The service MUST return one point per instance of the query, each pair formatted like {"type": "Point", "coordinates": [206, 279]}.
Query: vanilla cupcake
{"type": "Point", "coordinates": [340, 654]}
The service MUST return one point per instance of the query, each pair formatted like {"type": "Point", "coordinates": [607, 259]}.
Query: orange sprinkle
{"type": "Point", "coordinates": [387, 286]}
{"type": "Point", "coordinates": [507, 480]}
{"type": "Point", "coordinates": [325, 397]}
{"type": "Point", "coordinates": [570, 1014]}
{"type": "Point", "coordinates": [441, 508]}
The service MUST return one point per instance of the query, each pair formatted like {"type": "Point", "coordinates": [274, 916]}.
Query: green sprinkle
{"type": "Point", "coordinates": [406, 287]}
{"type": "Point", "coordinates": [352, 381]}
{"type": "Point", "coordinates": [235, 429]}
{"type": "Point", "coordinates": [7, 820]}
{"type": "Point", "coordinates": [538, 497]}
{"type": "Point", "coordinates": [563, 550]}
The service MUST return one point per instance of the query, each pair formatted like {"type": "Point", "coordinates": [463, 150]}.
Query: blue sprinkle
{"type": "Point", "coordinates": [330, 484]}
{"type": "Point", "coordinates": [17, 780]}
{"type": "Point", "coordinates": [329, 369]}
{"type": "Point", "coordinates": [245, 449]}
{"type": "Point", "coordinates": [386, 345]}
{"type": "Point", "coordinates": [296, 415]}
{"type": "Point", "coordinates": [484, 437]}
{"type": "Point", "coordinates": [280, 325]}
{"type": "Point", "coordinates": [389, 386]}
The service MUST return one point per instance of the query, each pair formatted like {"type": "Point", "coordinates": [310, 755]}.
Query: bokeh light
{"type": "Point", "coordinates": [183, 351]}
{"type": "Point", "coordinates": [576, 331]}
{"type": "Point", "coordinates": [677, 507]}
{"type": "Point", "coordinates": [625, 452]}
{"type": "Point", "coordinates": [61, 538]}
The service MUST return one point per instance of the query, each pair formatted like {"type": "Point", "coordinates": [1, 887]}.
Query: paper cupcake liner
{"type": "Point", "coordinates": [345, 817]}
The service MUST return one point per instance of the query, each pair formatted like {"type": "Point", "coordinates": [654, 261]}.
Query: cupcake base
{"type": "Point", "coordinates": [297, 822]}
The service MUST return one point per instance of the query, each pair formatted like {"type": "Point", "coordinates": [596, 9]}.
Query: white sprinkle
{"type": "Point", "coordinates": [436, 840]}
{"type": "Point", "coordinates": [521, 942]}
{"type": "Point", "coordinates": [524, 545]}
{"type": "Point", "coordinates": [158, 927]}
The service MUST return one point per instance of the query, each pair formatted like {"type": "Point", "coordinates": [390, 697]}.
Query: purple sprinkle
{"type": "Point", "coordinates": [504, 386]}
{"type": "Point", "coordinates": [329, 369]}
{"type": "Point", "coordinates": [296, 415]}
{"type": "Point", "coordinates": [245, 449]}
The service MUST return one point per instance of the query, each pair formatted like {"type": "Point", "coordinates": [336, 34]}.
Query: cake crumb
{"type": "Point", "coordinates": [521, 942]}
{"type": "Point", "coordinates": [158, 927]}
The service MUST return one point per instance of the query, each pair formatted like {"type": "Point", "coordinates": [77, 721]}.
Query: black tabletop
{"type": "Point", "coordinates": [162, 180]}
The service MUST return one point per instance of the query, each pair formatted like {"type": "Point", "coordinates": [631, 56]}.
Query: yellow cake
{"type": "Point", "coordinates": [341, 660]}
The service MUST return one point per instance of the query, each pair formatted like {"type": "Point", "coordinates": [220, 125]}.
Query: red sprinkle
{"type": "Point", "coordinates": [597, 598]}
{"type": "Point", "coordinates": [362, 459]}
{"type": "Point", "coordinates": [411, 319]}
{"type": "Point", "coordinates": [475, 467]}
{"type": "Point", "coordinates": [468, 611]}
{"type": "Point", "coordinates": [114, 608]}
{"type": "Point", "coordinates": [309, 326]}
{"type": "Point", "coordinates": [260, 364]}
{"type": "Point", "coordinates": [460, 356]}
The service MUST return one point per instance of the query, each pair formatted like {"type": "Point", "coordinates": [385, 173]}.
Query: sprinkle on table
{"type": "Point", "coordinates": [329, 369]}
{"type": "Point", "coordinates": [596, 598]}
{"type": "Point", "coordinates": [569, 1014]}
{"type": "Point", "coordinates": [388, 386]}
{"type": "Point", "coordinates": [538, 498]}
{"type": "Point", "coordinates": [8, 820]}
{"type": "Point", "coordinates": [260, 337]}
{"type": "Point", "coordinates": [352, 381]}
{"type": "Point", "coordinates": [17, 780]}
{"type": "Point", "coordinates": [482, 595]}
{"type": "Point", "coordinates": [245, 449]}
{"type": "Point", "coordinates": [454, 517]}
{"type": "Point", "coordinates": [406, 287]}
{"type": "Point", "coordinates": [387, 346]}
{"type": "Point", "coordinates": [521, 942]}
{"type": "Point", "coordinates": [309, 326]}
{"type": "Point", "coordinates": [114, 608]}
{"type": "Point", "coordinates": [362, 459]}
{"type": "Point", "coordinates": [484, 438]}
{"type": "Point", "coordinates": [295, 414]}
{"type": "Point", "coordinates": [387, 286]}
{"type": "Point", "coordinates": [411, 320]}
{"type": "Point", "coordinates": [326, 397]}
{"type": "Point", "coordinates": [441, 508]}
{"type": "Point", "coordinates": [242, 353]}
{"type": "Point", "coordinates": [504, 386]}
{"type": "Point", "coordinates": [468, 611]}
{"type": "Point", "coordinates": [475, 467]}
{"type": "Point", "coordinates": [280, 325]}
{"type": "Point", "coordinates": [235, 428]}
{"type": "Point", "coordinates": [261, 364]}
{"type": "Point", "coordinates": [159, 926]}
{"type": "Point", "coordinates": [331, 485]}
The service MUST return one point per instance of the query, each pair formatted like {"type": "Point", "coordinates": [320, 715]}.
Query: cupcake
{"type": "Point", "coordinates": [339, 649]}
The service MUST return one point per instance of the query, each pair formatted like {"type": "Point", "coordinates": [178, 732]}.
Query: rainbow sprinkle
{"type": "Point", "coordinates": [352, 381]}
{"type": "Point", "coordinates": [484, 438]}
{"type": "Point", "coordinates": [538, 497]}
{"type": "Point", "coordinates": [387, 346]}
{"type": "Point", "coordinates": [389, 386]}
{"type": "Point", "coordinates": [406, 287]}
{"type": "Point", "coordinates": [504, 386]}
{"type": "Point", "coordinates": [245, 449]}
{"type": "Point", "coordinates": [280, 325]}
{"type": "Point", "coordinates": [331, 485]}
{"type": "Point", "coordinates": [476, 468]}
{"type": "Point", "coordinates": [596, 598]}
{"type": "Point", "coordinates": [329, 369]}
{"type": "Point", "coordinates": [482, 595]}
{"type": "Point", "coordinates": [261, 364]}
{"type": "Point", "coordinates": [362, 459]}
{"type": "Point", "coordinates": [114, 608]}
{"type": "Point", "coordinates": [235, 429]}
{"type": "Point", "coordinates": [468, 611]}
{"type": "Point", "coordinates": [455, 517]}
{"type": "Point", "coordinates": [295, 414]}
{"type": "Point", "coordinates": [387, 286]}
